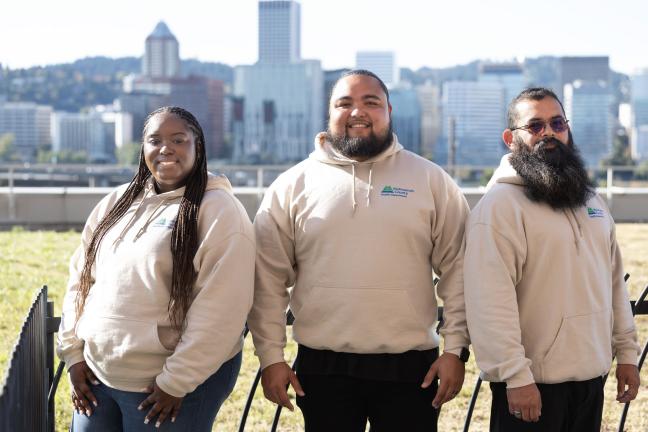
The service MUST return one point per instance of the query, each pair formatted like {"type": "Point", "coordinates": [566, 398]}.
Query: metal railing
{"type": "Point", "coordinates": [27, 397]}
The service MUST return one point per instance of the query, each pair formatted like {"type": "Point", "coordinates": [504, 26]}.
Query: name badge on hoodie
{"type": "Point", "coordinates": [164, 223]}
{"type": "Point", "coordinates": [595, 212]}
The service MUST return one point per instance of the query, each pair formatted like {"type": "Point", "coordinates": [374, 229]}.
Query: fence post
{"type": "Point", "coordinates": [49, 358]}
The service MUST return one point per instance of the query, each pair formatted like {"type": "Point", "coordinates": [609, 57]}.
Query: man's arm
{"type": "Point", "coordinates": [624, 334]}
{"type": "Point", "coordinates": [275, 273]}
{"type": "Point", "coordinates": [447, 261]}
{"type": "Point", "coordinates": [492, 267]}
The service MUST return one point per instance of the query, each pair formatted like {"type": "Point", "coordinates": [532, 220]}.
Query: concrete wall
{"type": "Point", "coordinates": [62, 208]}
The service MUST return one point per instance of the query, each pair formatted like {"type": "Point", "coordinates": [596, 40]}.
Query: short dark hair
{"type": "Point", "coordinates": [531, 93]}
{"type": "Point", "coordinates": [364, 72]}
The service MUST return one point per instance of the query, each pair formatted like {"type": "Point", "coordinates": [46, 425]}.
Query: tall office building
{"type": "Point", "coordinates": [281, 111]}
{"type": "Point", "coordinates": [160, 84]}
{"type": "Point", "coordinates": [278, 102]}
{"type": "Point", "coordinates": [382, 63]}
{"type": "Point", "coordinates": [476, 110]}
{"type": "Point", "coordinates": [279, 31]}
{"type": "Point", "coordinates": [587, 106]}
{"type": "Point", "coordinates": [430, 103]}
{"type": "Point", "coordinates": [161, 55]}
{"type": "Point", "coordinates": [571, 69]}
{"type": "Point", "coordinates": [639, 122]}
{"type": "Point", "coordinates": [406, 117]}
{"type": "Point", "coordinates": [509, 75]}
{"type": "Point", "coordinates": [29, 124]}
{"type": "Point", "coordinates": [202, 96]}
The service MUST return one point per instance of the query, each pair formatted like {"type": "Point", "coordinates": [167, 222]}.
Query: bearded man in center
{"type": "Point", "coordinates": [357, 230]}
{"type": "Point", "coordinates": [546, 301]}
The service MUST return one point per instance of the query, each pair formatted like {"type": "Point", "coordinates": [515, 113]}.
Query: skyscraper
{"type": "Point", "coordinates": [161, 56]}
{"type": "Point", "coordinates": [279, 31]}
{"type": "Point", "coordinates": [406, 117]}
{"type": "Point", "coordinates": [571, 69]}
{"type": "Point", "coordinates": [278, 102]}
{"type": "Point", "coordinates": [509, 75]}
{"type": "Point", "coordinates": [477, 110]}
{"type": "Point", "coordinates": [639, 124]}
{"type": "Point", "coordinates": [587, 106]}
{"type": "Point", "coordinates": [382, 63]}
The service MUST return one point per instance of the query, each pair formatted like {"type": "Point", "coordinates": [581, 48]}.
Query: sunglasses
{"type": "Point", "coordinates": [537, 127]}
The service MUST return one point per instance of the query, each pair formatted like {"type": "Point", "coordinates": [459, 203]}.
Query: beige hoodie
{"type": "Point", "coordinates": [545, 296]}
{"type": "Point", "coordinates": [359, 241]}
{"type": "Point", "coordinates": [124, 333]}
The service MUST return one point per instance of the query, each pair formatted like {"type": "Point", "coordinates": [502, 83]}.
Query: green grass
{"type": "Point", "coordinates": [29, 260]}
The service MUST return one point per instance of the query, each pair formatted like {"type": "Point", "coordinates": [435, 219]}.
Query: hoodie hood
{"type": "Point", "coordinates": [324, 152]}
{"type": "Point", "coordinates": [505, 173]}
{"type": "Point", "coordinates": [164, 200]}
{"type": "Point", "coordinates": [214, 181]}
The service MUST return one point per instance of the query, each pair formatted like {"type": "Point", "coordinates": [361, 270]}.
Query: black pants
{"type": "Point", "coordinates": [343, 404]}
{"type": "Point", "coordinates": [575, 406]}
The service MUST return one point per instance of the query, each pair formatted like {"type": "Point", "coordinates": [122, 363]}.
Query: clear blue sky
{"type": "Point", "coordinates": [422, 32]}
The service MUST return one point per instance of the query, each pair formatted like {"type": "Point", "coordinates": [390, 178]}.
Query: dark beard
{"type": "Point", "coordinates": [557, 177]}
{"type": "Point", "coordinates": [362, 148]}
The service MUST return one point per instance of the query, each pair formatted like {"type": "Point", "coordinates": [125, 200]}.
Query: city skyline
{"type": "Point", "coordinates": [421, 34]}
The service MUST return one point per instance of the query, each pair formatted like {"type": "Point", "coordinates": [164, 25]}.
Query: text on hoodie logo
{"type": "Point", "coordinates": [395, 191]}
{"type": "Point", "coordinates": [595, 212]}
{"type": "Point", "coordinates": [164, 223]}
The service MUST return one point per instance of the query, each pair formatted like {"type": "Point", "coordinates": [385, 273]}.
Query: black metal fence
{"type": "Point", "coordinates": [27, 396]}
{"type": "Point", "coordinates": [24, 404]}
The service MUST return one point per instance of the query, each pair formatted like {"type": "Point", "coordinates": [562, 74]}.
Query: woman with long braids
{"type": "Point", "coordinates": [159, 291]}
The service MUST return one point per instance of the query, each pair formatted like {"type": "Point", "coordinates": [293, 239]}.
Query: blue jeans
{"type": "Point", "coordinates": [117, 410]}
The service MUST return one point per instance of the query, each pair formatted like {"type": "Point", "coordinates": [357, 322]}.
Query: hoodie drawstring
{"type": "Point", "coordinates": [370, 184]}
{"type": "Point", "coordinates": [130, 222]}
{"type": "Point", "coordinates": [353, 187]}
{"type": "Point", "coordinates": [150, 218]}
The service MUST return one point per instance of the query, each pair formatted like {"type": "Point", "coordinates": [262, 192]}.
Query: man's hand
{"type": "Point", "coordinates": [627, 375]}
{"type": "Point", "coordinates": [80, 376]}
{"type": "Point", "coordinates": [275, 379]}
{"type": "Point", "coordinates": [450, 371]}
{"type": "Point", "coordinates": [525, 402]}
{"type": "Point", "coordinates": [163, 404]}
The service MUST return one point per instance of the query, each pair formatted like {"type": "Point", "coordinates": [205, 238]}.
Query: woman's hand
{"type": "Point", "coordinates": [82, 396]}
{"type": "Point", "coordinates": [163, 404]}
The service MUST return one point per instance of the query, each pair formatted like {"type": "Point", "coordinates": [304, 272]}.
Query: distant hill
{"type": "Point", "coordinates": [86, 82]}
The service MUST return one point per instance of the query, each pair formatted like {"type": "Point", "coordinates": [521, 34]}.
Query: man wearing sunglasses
{"type": "Point", "coordinates": [546, 302]}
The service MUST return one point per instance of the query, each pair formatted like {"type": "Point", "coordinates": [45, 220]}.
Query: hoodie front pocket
{"type": "Point", "coordinates": [123, 347]}
{"type": "Point", "coordinates": [361, 320]}
{"type": "Point", "coordinates": [582, 349]}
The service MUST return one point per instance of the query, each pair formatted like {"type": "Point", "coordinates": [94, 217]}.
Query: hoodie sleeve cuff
{"type": "Point", "coordinates": [520, 379]}
{"type": "Point", "coordinates": [627, 357]}
{"type": "Point", "coordinates": [269, 358]}
{"type": "Point", "coordinates": [73, 358]}
{"type": "Point", "coordinates": [166, 385]}
{"type": "Point", "coordinates": [454, 343]}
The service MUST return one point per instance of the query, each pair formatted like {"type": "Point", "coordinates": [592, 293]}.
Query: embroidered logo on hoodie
{"type": "Point", "coordinates": [164, 223]}
{"type": "Point", "coordinates": [395, 191]}
{"type": "Point", "coordinates": [595, 212]}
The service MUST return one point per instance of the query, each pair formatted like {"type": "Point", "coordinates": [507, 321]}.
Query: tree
{"type": "Point", "coordinates": [8, 151]}
{"type": "Point", "coordinates": [128, 154]}
{"type": "Point", "coordinates": [621, 154]}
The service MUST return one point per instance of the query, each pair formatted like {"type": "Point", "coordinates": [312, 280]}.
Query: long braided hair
{"type": "Point", "coordinates": [184, 236]}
